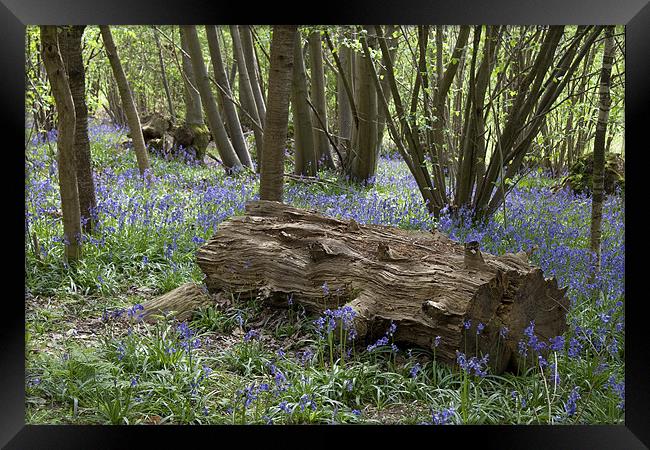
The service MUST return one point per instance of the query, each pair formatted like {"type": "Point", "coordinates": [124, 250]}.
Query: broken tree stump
{"type": "Point", "coordinates": [181, 303]}
{"type": "Point", "coordinates": [424, 282]}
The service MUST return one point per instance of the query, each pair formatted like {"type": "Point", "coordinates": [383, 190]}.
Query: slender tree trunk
{"type": "Point", "coordinates": [277, 112]}
{"type": "Point", "coordinates": [345, 118]}
{"type": "Point", "coordinates": [323, 146]}
{"type": "Point", "coordinates": [364, 141]}
{"type": "Point", "coordinates": [163, 75]}
{"type": "Point", "coordinates": [584, 108]}
{"type": "Point", "coordinates": [65, 142]}
{"type": "Point", "coordinates": [228, 156]}
{"type": "Point", "coordinates": [253, 70]}
{"type": "Point", "coordinates": [599, 147]}
{"type": "Point", "coordinates": [440, 133]}
{"type": "Point", "coordinates": [232, 119]}
{"type": "Point", "coordinates": [247, 98]}
{"type": "Point", "coordinates": [414, 157]}
{"type": "Point", "coordinates": [70, 44]}
{"type": "Point", "coordinates": [381, 118]}
{"type": "Point", "coordinates": [127, 100]}
{"type": "Point", "coordinates": [563, 72]}
{"type": "Point", "coordinates": [305, 151]}
{"type": "Point", "coordinates": [193, 105]}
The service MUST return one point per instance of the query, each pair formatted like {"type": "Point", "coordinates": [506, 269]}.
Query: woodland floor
{"type": "Point", "coordinates": [89, 360]}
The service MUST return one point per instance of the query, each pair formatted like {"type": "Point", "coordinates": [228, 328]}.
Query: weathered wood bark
{"type": "Point", "coordinates": [181, 303]}
{"type": "Point", "coordinates": [127, 100]}
{"type": "Point", "coordinates": [70, 44]}
{"type": "Point", "coordinates": [424, 282]}
{"type": "Point", "coordinates": [154, 126]}
{"type": "Point", "coordinates": [65, 142]}
{"type": "Point", "coordinates": [277, 112]}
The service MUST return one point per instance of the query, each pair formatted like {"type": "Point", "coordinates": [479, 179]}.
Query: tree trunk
{"type": "Point", "coordinates": [232, 119]}
{"type": "Point", "coordinates": [246, 96]}
{"type": "Point", "coordinates": [127, 100]}
{"type": "Point", "coordinates": [253, 70]}
{"type": "Point", "coordinates": [424, 282]}
{"type": "Point", "coordinates": [364, 141]}
{"type": "Point", "coordinates": [385, 86]}
{"type": "Point", "coordinates": [163, 75]}
{"type": "Point", "coordinates": [224, 147]}
{"type": "Point", "coordinates": [65, 142]}
{"type": "Point", "coordinates": [599, 147]}
{"type": "Point", "coordinates": [181, 303]}
{"type": "Point", "coordinates": [345, 117]}
{"type": "Point", "coordinates": [193, 105]}
{"type": "Point", "coordinates": [322, 143]}
{"type": "Point", "coordinates": [305, 151]}
{"type": "Point", "coordinates": [70, 43]}
{"type": "Point", "coordinates": [277, 112]}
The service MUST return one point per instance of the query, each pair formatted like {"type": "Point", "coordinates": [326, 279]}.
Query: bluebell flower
{"type": "Point", "coordinates": [442, 417]}
{"type": "Point", "coordinates": [557, 343]}
{"type": "Point", "coordinates": [570, 404]}
{"type": "Point", "coordinates": [619, 389]}
{"type": "Point", "coordinates": [251, 335]}
{"type": "Point", "coordinates": [475, 365]}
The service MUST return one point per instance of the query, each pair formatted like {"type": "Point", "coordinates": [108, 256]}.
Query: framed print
{"type": "Point", "coordinates": [256, 217]}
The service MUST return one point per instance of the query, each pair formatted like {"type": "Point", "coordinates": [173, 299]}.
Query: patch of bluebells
{"type": "Point", "coordinates": [136, 311]}
{"type": "Point", "coordinates": [570, 406]}
{"type": "Point", "coordinates": [307, 401]}
{"type": "Point", "coordinates": [183, 207]}
{"type": "Point", "coordinates": [344, 316]}
{"type": "Point", "coordinates": [175, 214]}
{"type": "Point", "coordinates": [186, 336]}
{"type": "Point", "coordinates": [442, 417]}
{"type": "Point", "coordinates": [414, 370]}
{"type": "Point", "coordinates": [473, 365]}
{"type": "Point", "coordinates": [619, 390]}
{"type": "Point", "coordinates": [251, 335]}
{"type": "Point", "coordinates": [385, 339]}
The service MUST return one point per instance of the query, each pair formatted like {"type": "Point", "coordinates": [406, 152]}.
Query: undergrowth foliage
{"type": "Point", "coordinates": [91, 359]}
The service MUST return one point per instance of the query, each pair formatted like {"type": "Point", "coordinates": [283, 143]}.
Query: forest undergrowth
{"type": "Point", "coordinates": [90, 360]}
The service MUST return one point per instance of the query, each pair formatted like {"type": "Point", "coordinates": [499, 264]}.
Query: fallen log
{"type": "Point", "coordinates": [424, 282]}
{"type": "Point", "coordinates": [179, 303]}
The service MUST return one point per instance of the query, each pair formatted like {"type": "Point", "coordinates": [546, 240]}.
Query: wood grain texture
{"type": "Point", "coordinates": [422, 281]}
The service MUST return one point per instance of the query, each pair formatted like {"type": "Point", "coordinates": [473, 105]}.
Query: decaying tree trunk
{"type": "Point", "coordinates": [424, 282]}
{"type": "Point", "coordinates": [181, 302]}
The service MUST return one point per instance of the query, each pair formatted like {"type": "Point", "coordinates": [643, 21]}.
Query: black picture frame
{"type": "Point", "coordinates": [16, 14]}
